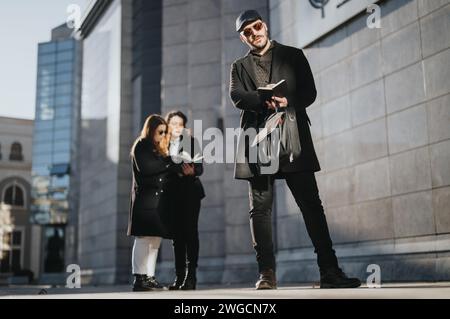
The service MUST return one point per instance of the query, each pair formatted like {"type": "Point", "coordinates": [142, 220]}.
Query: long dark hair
{"type": "Point", "coordinates": [148, 131]}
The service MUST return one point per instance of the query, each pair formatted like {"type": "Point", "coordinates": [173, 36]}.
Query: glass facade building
{"type": "Point", "coordinates": [55, 132]}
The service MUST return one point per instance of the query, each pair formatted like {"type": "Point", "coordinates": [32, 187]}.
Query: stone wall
{"type": "Point", "coordinates": [381, 127]}
{"type": "Point", "coordinates": [199, 45]}
{"type": "Point", "coordinates": [106, 136]}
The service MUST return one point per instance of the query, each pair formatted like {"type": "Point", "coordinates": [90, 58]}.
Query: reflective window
{"type": "Point", "coordinates": [65, 45]}
{"type": "Point", "coordinates": [46, 114]}
{"type": "Point", "coordinates": [12, 245]}
{"type": "Point", "coordinates": [63, 89]}
{"type": "Point", "coordinates": [14, 196]}
{"type": "Point", "coordinates": [43, 125]}
{"type": "Point", "coordinates": [42, 136]}
{"type": "Point", "coordinates": [40, 170]}
{"type": "Point", "coordinates": [60, 196]}
{"type": "Point", "coordinates": [63, 78]}
{"type": "Point", "coordinates": [17, 238]}
{"type": "Point", "coordinates": [5, 265]}
{"type": "Point", "coordinates": [61, 181]}
{"type": "Point", "coordinates": [39, 148]}
{"type": "Point", "coordinates": [45, 91]}
{"type": "Point", "coordinates": [63, 100]}
{"type": "Point", "coordinates": [64, 67]}
{"type": "Point", "coordinates": [46, 80]}
{"type": "Point", "coordinates": [63, 157]}
{"type": "Point", "coordinates": [60, 169]}
{"type": "Point", "coordinates": [47, 100]}
{"type": "Point", "coordinates": [40, 183]}
{"type": "Point", "coordinates": [46, 69]}
{"type": "Point", "coordinates": [15, 259]}
{"type": "Point", "coordinates": [47, 47]}
{"type": "Point", "coordinates": [63, 134]}
{"type": "Point", "coordinates": [64, 56]}
{"type": "Point", "coordinates": [54, 239]}
{"type": "Point", "coordinates": [46, 59]}
{"type": "Point", "coordinates": [42, 159]}
{"type": "Point", "coordinates": [62, 123]}
{"type": "Point", "coordinates": [61, 146]}
{"type": "Point", "coordinates": [64, 111]}
{"type": "Point", "coordinates": [16, 152]}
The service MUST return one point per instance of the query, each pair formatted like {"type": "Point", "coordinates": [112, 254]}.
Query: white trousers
{"type": "Point", "coordinates": [145, 252]}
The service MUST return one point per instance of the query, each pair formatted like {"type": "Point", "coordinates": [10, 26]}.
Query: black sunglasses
{"type": "Point", "coordinates": [249, 31]}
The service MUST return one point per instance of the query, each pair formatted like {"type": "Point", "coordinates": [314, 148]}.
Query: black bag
{"type": "Point", "coordinates": [279, 142]}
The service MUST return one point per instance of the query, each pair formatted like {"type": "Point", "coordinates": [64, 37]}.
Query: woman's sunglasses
{"type": "Point", "coordinates": [249, 31]}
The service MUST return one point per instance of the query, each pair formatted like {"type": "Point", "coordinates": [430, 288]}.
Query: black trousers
{"type": "Point", "coordinates": [185, 237]}
{"type": "Point", "coordinates": [304, 189]}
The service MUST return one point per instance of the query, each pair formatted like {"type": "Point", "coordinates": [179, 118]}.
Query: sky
{"type": "Point", "coordinates": [23, 24]}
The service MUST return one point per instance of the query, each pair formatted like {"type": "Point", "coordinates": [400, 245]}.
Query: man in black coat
{"type": "Point", "coordinates": [269, 62]}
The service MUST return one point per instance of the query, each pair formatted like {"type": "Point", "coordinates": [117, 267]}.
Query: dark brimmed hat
{"type": "Point", "coordinates": [245, 18]}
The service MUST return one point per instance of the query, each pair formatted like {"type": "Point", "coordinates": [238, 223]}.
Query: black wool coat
{"type": "Point", "coordinates": [290, 64]}
{"type": "Point", "coordinates": [192, 182]}
{"type": "Point", "coordinates": [152, 173]}
{"type": "Point", "coordinates": [187, 193]}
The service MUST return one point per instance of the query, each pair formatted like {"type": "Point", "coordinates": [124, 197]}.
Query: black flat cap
{"type": "Point", "coordinates": [246, 17]}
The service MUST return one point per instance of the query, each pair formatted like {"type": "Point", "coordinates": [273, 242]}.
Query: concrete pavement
{"type": "Point", "coordinates": [439, 290]}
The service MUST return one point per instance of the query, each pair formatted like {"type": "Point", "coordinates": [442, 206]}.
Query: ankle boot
{"type": "Point", "coordinates": [190, 281]}
{"type": "Point", "coordinates": [179, 279]}
{"type": "Point", "coordinates": [141, 283]}
{"type": "Point", "coordinates": [336, 278]}
{"type": "Point", "coordinates": [154, 283]}
{"type": "Point", "coordinates": [267, 280]}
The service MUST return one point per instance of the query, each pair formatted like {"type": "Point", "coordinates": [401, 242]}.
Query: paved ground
{"type": "Point", "coordinates": [387, 291]}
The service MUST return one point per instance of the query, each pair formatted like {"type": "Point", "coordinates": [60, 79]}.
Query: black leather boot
{"type": "Point", "coordinates": [141, 283]}
{"type": "Point", "coordinates": [190, 282]}
{"type": "Point", "coordinates": [152, 282]}
{"type": "Point", "coordinates": [179, 279]}
{"type": "Point", "coordinates": [336, 278]}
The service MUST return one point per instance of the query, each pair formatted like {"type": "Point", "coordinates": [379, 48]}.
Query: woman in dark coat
{"type": "Point", "coordinates": [148, 220]}
{"type": "Point", "coordinates": [186, 208]}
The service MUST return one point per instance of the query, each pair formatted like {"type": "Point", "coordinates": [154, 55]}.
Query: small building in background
{"type": "Point", "coordinates": [19, 249]}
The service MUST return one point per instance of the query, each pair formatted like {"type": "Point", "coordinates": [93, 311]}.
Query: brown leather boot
{"type": "Point", "coordinates": [267, 280]}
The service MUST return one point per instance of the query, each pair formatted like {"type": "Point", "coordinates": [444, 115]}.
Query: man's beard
{"type": "Point", "coordinates": [261, 44]}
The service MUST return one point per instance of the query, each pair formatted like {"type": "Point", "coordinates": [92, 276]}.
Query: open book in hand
{"type": "Point", "coordinates": [276, 89]}
{"type": "Point", "coordinates": [185, 157]}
